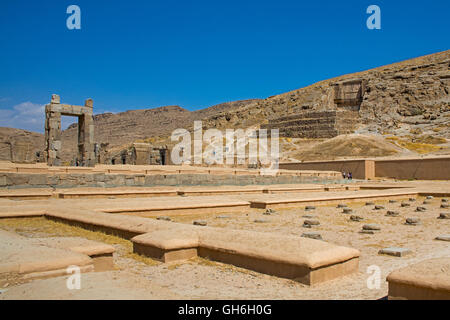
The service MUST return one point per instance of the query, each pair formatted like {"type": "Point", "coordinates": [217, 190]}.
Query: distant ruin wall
{"type": "Point", "coordinates": [403, 169]}
{"type": "Point", "coordinates": [22, 152]}
{"type": "Point", "coordinates": [420, 169]}
{"type": "Point", "coordinates": [139, 154]}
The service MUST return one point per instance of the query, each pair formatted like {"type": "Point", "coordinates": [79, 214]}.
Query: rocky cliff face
{"type": "Point", "coordinates": [20, 145]}
{"type": "Point", "coordinates": [413, 92]}
{"type": "Point", "coordinates": [410, 97]}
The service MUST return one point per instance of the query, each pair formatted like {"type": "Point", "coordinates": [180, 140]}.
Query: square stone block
{"type": "Point", "coordinates": [396, 252]}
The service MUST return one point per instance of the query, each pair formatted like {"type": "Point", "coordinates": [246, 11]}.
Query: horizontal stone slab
{"type": "Point", "coordinates": [443, 237]}
{"type": "Point", "coordinates": [101, 253]}
{"type": "Point", "coordinates": [426, 280]}
{"type": "Point", "coordinates": [396, 252]}
{"type": "Point", "coordinates": [23, 257]}
{"type": "Point", "coordinates": [306, 260]}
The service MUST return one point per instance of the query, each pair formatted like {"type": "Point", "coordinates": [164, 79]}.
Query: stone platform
{"type": "Point", "coordinates": [301, 259]}
{"type": "Point", "coordinates": [37, 258]}
{"type": "Point", "coordinates": [426, 280]}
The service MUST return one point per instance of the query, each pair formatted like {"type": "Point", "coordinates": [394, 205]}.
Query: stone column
{"type": "Point", "coordinates": [53, 132]}
{"type": "Point", "coordinates": [88, 135]}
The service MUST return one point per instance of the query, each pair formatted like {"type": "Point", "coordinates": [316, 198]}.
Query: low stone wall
{"type": "Point", "coordinates": [420, 169]}
{"type": "Point", "coordinates": [360, 169]}
{"type": "Point", "coordinates": [61, 180]}
{"type": "Point", "coordinates": [436, 168]}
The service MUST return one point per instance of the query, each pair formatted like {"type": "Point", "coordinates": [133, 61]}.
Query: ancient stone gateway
{"type": "Point", "coordinates": [53, 113]}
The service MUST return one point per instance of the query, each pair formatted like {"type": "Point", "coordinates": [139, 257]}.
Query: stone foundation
{"type": "Point", "coordinates": [325, 124]}
{"type": "Point", "coordinates": [60, 180]}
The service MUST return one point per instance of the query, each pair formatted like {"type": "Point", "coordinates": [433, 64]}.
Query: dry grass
{"type": "Point", "coordinates": [429, 139]}
{"type": "Point", "coordinates": [421, 148]}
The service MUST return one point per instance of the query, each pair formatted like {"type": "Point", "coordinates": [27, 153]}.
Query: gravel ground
{"type": "Point", "coordinates": [198, 278]}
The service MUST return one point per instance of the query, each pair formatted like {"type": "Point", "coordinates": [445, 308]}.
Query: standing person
{"type": "Point", "coordinates": [350, 176]}
{"type": "Point", "coordinates": [343, 175]}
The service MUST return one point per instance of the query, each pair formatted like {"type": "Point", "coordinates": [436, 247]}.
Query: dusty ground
{"type": "Point", "coordinates": [143, 278]}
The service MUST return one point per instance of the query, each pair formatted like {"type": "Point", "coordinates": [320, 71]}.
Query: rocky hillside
{"type": "Point", "coordinates": [405, 103]}
{"type": "Point", "coordinates": [413, 93]}
{"type": "Point", "coordinates": [125, 127]}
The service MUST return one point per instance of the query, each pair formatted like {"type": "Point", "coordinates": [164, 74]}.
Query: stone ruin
{"type": "Point", "coordinates": [349, 94]}
{"type": "Point", "coordinates": [53, 113]}
{"type": "Point", "coordinates": [316, 124]}
{"type": "Point", "coordinates": [347, 99]}
{"type": "Point", "coordinates": [22, 152]}
{"type": "Point", "coordinates": [138, 154]}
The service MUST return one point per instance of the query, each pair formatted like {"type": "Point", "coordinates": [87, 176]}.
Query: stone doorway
{"type": "Point", "coordinates": [53, 113]}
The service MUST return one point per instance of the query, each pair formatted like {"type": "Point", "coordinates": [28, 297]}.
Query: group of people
{"type": "Point", "coordinates": [347, 175]}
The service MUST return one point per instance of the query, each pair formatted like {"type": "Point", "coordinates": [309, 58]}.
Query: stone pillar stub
{"type": "Point", "coordinates": [53, 111]}
{"type": "Point", "coordinates": [89, 103]}
{"type": "Point", "coordinates": [55, 99]}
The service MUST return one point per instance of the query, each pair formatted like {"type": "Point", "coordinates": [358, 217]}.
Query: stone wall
{"type": "Point", "coordinates": [317, 124]}
{"type": "Point", "coordinates": [420, 169]}
{"type": "Point", "coordinates": [37, 180]}
{"type": "Point", "coordinates": [360, 169]}
{"type": "Point", "coordinates": [139, 154]}
{"type": "Point", "coordinates": [436, 168]}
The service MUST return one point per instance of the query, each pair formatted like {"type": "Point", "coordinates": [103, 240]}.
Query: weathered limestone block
{"type": "Point", "coordinates": [38, 179]}
{"type": "Point", "coordinates": [3, 181]}
{"type": "Point", "coordinates": [396, 252]}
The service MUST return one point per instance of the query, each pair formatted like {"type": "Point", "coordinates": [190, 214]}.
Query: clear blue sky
{"type": "Point", "coordinates": [142, 54]}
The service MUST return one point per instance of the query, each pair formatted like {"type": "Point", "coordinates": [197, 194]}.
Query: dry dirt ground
{"type": "Point", "coordinates": [143, 278]}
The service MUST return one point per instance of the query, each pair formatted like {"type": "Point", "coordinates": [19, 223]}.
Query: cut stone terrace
{"type": "Point", "coordinates": [41, 175]}
{"type": "Point", "coordinates": [308, 261]}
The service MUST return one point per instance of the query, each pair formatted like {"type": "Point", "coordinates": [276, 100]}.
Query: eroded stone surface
{"type": "Point", "coordinates": [261, 221]}
{"type": "Point", "coordinates": [445, 215]}
{"type": "Point", "coordinates": [394, 251]}
{"type": "Point", "coordinates": [372, 227]}
{"type": "Point", "coordinates": [392, 213]}
{"type": "Point", "coordinates": [413, 221]}
{"type": "Point", "coordinates": [405, 204]}
{"type": "Point", "coordinates": [312, 235]}
{"type": "Point", "coordinates": [356, 218]}
{"type": "Point", "coordinates": [165, 218]}
{"type": "Point", "coordinates": [445, 237]}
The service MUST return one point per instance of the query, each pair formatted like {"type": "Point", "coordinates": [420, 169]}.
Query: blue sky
{"type": "Point", "coordinates": [144, 54]}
